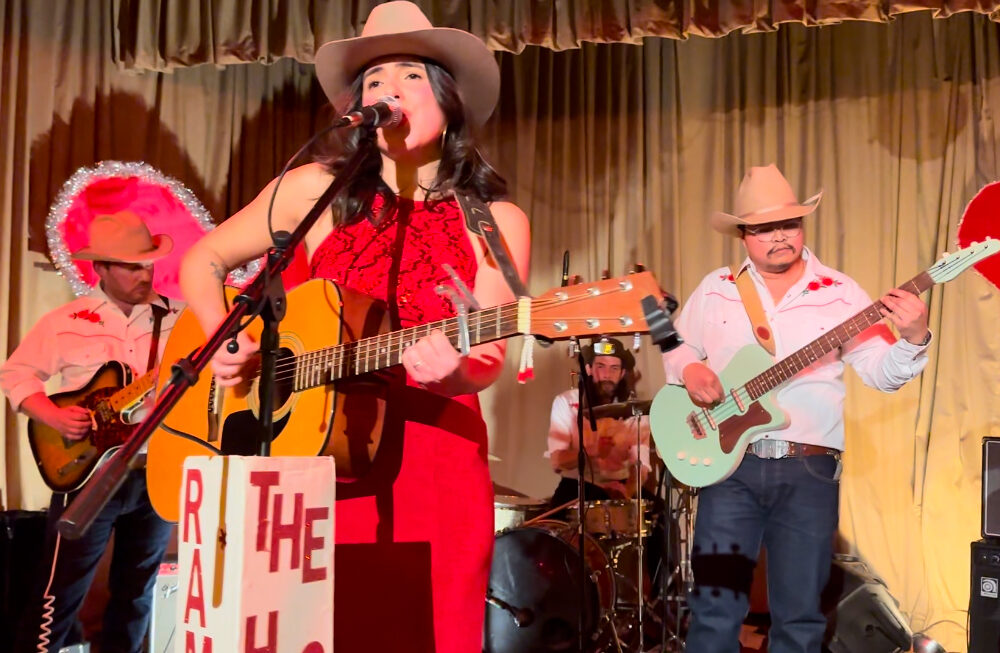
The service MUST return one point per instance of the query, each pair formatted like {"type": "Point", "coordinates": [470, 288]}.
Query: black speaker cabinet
{"type": "Point", "coordinates": [984, 604]}
{"type": "Point", "coordinates": [22, 538]}
{"type": "Point", "coordinates": [991, 487]}
{"type": "Point", "coordinates": [861, 614]}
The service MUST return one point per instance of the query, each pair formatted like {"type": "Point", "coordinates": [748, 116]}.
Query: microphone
{"type": "Point", "coordinates": [523, 617]}
{"type": "Point", "coordinates": [384, 113]}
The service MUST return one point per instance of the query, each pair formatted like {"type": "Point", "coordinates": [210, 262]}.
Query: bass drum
{"type": "Point", "coordinates": [535, 582]}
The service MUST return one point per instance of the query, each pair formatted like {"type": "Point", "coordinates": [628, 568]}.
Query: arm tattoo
{"type": "Point", "coordinates": [218, 271]}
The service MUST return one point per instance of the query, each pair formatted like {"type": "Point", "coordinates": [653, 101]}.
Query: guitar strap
{"type": "Point", "coordinates": [480, 221]}
{"type": "Point", "coordinates": [154, 343]}
{"type": "Point", "coordinates": [755, 310]}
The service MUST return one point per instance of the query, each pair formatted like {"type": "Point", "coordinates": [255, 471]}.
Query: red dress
{"type": "Point", "coordinates": [413, 551]}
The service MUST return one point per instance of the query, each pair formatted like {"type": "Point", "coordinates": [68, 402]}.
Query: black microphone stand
{"type": "Point", "coordinates": [264, 296]}
{"type": "Point", "coordinates": [586, 391]}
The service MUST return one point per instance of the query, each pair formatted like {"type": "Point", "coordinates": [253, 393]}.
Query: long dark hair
{"type": "Point", "coordinates": [462, 166]}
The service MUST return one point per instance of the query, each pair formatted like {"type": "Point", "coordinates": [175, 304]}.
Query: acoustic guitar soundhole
{"type": "Point", "coordinates": [242, 428]}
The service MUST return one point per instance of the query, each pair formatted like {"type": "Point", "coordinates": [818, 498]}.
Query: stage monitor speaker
{"type": "Point", "coordinates": [861, 614]}
{"type": "Point", "coordinates": [991, 487]}
{"type": "Point", "coordinates": [984, 604]}
{"type": "Point", "coordinates": [22, 538]}
{"type": "Point", "coordinates": [163, 621]}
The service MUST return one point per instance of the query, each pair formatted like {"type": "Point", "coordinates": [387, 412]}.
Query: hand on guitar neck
{"type": "Point", "coordinates": [72, 421]}
{"type": "Point", "coordinates": [907, 312]}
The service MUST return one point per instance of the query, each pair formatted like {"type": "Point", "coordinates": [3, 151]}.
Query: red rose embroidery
{"type": "Point", "coordinates": [819, 283]}
{"type": "Point", "coordinates": [90, 316]}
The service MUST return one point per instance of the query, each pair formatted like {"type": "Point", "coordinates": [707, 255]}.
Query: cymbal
{"type": "Point", "coordinates": [621, 410]}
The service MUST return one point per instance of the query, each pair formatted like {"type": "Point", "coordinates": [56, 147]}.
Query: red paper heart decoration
{"type": "Point", "coordinates": [980, 221]}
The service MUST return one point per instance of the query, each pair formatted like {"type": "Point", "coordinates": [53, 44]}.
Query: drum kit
{"type": "Point", "coordinates": [636, 563]}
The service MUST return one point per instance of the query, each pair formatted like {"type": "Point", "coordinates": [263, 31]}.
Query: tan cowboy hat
{"type": "Point", "coordinates": [764, 196]}
{"type": "Point", "coordinates": [401, 28]}
{"type": "Point", "coordinates": [123, 238]}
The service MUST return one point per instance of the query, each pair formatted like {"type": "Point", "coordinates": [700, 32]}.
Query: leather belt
{"type": "Point", "coordinates": [783, 449]}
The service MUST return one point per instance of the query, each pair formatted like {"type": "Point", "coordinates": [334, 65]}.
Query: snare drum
{"type": "Point", "coordinates": [612, 518]}
{"type": "Point", "coordinates": [533, 599]}
{"type": "Point", "coordinates": [511, 512]}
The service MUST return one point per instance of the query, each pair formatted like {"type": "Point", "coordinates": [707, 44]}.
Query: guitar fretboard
{"type": "Point", "coordinates": [127, 395]}
{"type": "Point", "coordinates": [788, 367]}
{"type": "Point", "coordinates": [375, 353]}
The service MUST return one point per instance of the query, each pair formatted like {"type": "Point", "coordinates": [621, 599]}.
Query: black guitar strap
{"type": "Point", "coordinates": [480, 221]}
{"type": "Point", "coordinates": [154, 343]}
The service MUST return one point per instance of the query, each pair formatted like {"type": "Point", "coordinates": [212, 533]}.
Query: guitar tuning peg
{"type": "Point", "coordinates": [575, 280]}
{"type": "Point", "coordinates": [637, 268]}
{"type": "Point", "coordinates": [605, 274]}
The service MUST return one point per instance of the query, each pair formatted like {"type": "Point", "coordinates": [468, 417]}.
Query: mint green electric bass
{"type": "Point", "coordinates": [701, 446]}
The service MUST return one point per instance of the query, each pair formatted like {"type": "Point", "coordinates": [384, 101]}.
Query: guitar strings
{"type": "Point", "coordinates": [505, 316]}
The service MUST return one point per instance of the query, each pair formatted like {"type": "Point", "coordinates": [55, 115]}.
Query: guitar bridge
{"type": "Point", "coordinates": [696, 428]}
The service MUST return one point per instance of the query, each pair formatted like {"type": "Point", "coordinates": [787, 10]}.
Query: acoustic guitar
{"type": "Point", "coordinates": [334, 364]}
{"type": "Point", "coordinates": [110, 396]}
{"type": "Point", "coordinates": [704, 445]}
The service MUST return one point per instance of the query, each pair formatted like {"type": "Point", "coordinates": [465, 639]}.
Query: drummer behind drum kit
{"type": "Point", "coordinates": [534, 600]}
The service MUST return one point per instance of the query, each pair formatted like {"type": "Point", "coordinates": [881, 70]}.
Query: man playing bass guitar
{"type": "Point", "coordinates": [785, 492]}
{"type": "Point", "coordinates": [117, 321]}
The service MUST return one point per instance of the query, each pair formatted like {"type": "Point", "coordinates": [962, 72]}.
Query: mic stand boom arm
{"type": "Point", "coordinates": [266, 296]}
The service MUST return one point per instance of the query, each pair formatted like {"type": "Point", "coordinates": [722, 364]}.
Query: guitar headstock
{"type": "Point", "coordinates": [951, 265]}
{"type": "Point", "coordinates": [609, 307]}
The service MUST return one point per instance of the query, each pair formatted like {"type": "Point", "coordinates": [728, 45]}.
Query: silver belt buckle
{"type": "Point", "coordinates": [770, 448]}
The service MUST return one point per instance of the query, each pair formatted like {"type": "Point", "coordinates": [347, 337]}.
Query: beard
{"type": "Point", "coordinates": [605, 391]}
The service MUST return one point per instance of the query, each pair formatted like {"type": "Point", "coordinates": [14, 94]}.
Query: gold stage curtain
{"type": "Point", "coordinates": [618, 153]}
{"type": "Point", "coordinates": [163, 34]}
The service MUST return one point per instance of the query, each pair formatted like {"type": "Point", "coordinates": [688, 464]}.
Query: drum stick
{"type": "Point", "coordinates": [550, 512]}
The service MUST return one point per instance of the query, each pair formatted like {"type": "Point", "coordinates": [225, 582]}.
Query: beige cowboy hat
{"type": "Point", "coordinates": [397, 28]}
{"type": "Point", "coordinates": [764, 196]}
{"type": "Point", "coordinates": [123, 238]}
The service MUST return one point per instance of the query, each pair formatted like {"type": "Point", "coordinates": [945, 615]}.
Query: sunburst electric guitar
{"type": "Point", "coordinates": [334, 349]}
{"type": "Point", "coordinates": [110, 396]}
{"type": "Point", "coordinates": [701, 446]}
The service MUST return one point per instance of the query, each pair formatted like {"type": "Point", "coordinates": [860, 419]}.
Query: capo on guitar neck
{"type": "Point", "coordinates": [463, 300]}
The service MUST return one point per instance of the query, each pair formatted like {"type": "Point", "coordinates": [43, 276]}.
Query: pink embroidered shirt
{"type": "Point", "coordinates": [76, 339]}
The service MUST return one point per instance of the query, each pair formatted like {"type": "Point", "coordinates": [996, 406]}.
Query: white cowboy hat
{"type": "Point", "coordinates": [764, 196]}
{"type": "Point", "coordinates": [123, 238]}
{"type": "Point", "coordinates": [401, 28]}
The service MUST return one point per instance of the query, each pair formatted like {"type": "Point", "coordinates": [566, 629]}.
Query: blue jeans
{"type": "Point", "coordinates": [790, 505]}
{"type": "Point", "coordinates": [140, 542]}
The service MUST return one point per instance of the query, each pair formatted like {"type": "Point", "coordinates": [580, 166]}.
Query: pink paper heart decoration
{"type": "Point", "coordinates": [165, 205]}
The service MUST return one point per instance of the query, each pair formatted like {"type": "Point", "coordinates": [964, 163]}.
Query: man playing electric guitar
{"type": "Point", "coordinates": [785, 492]}
{"type": "Point", "coordinates": [116, 322]}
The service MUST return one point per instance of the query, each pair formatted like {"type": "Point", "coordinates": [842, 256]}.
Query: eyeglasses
{"type": "Point", "coordinates": [768, 232]}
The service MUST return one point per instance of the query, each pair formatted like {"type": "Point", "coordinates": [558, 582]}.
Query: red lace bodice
{"type": "Point", "coordinates": [400, 260]}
